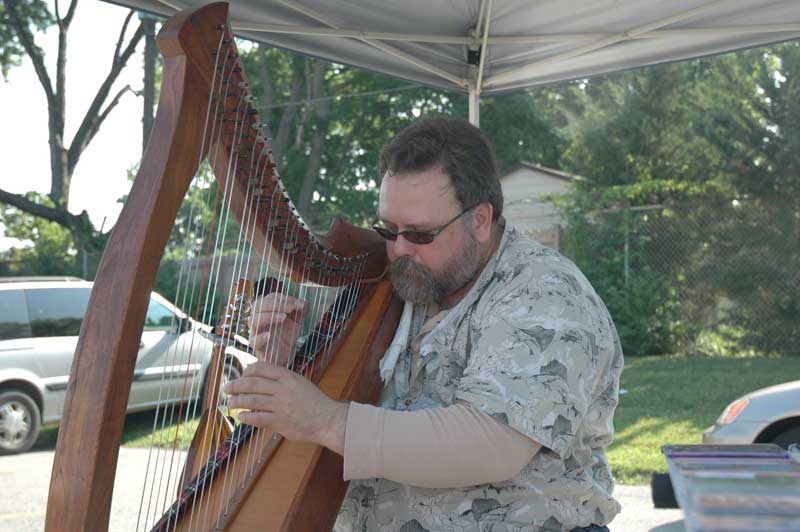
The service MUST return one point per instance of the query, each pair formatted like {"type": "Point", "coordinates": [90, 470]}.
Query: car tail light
{"type": "Point", "coordinates": [733, 410]}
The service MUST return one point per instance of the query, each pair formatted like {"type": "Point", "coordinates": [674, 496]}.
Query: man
{"type": "Point", "coordinates": [500, 403]}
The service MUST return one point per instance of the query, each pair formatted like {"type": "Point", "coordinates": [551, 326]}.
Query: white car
{"type": "Point", "coordinates": [768, 415]}
{"type": "Point", "coordinates": [39, 323]}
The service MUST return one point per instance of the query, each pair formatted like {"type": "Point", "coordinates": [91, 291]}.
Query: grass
{"type": "Point", "coordinates": [138, 431]}
{"type": "Point", "coordinates": [668, 400]}
{"type": "Point", "coordinates": [673, 399]}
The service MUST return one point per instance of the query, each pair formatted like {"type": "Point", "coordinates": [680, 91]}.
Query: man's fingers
{"type": "Point", "coordinates": [250, 383]}
{"type": "Point", "coordinates": [261, 403]}
{"type": "Point", "coordinates": [278, 303]}
{"type": "Point", "coordinates": [273, 319]}
{"type": "Point", "coordinates": [266, 322]}
{"type": "Point", "coordinates": [260, 340]}
{"type": "Point", "coordinates": [258, 419]}
{"type": "Point", "coordinates": [266, 370]}
{"type": "Point", "coordinates": [269, 316]}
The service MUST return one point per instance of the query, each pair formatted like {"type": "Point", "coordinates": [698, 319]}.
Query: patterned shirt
{"type": "Point", "coordinates": [532, 345]}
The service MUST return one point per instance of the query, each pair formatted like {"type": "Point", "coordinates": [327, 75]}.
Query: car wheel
{"type": "Point", "coordinates": [787, 437]}
{"type": "Point", "coordinates": [19, 422]}
{"type": "Point", "coordinates": [662, 491]}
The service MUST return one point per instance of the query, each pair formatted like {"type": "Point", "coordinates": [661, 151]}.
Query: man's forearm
{"type": "Point", "coordinates": [436, 448]}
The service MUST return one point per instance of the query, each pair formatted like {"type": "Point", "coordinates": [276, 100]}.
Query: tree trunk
{"type": "Point", "coordinates": [279, 134]}
{"type": "Point", "coordinates": [321, 107]}
{"type": "Point", "coordinates": [63, 159]}
{"type": "Point", "coordinates": [150, 54]}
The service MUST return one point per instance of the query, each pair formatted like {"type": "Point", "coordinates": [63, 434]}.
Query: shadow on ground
{"type": "Point", "coordinates": [675, 526]}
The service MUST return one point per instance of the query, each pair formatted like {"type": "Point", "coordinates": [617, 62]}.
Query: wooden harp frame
{"type": "Point", "coordinates": [91, 429]}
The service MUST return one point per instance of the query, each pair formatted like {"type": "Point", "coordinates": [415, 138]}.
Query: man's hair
{"type": "Point", "coordinates": [461, 149]}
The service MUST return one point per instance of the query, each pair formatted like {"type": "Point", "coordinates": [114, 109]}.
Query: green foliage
{"type": "Point", "coordinates": [723, 342]}
{"type": "Point", "coordinates": [34, 16]}
{"type": "Point", "coordinates": [49, 250]}
{"type": "Point", "coordinates": [713, 145]}
{"type": "Point", "coordinates": [361, 111]}
{"type": "Point", "coordinates": [645, 310]}
{"type": "Point", "coordinates": [519, 129]}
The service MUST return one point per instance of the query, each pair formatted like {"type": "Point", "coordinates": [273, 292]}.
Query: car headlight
{"type": "Point", "coordinates": [732, 411]}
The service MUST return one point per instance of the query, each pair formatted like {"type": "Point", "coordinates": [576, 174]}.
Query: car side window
{"type": "Point", "coordinates": [56, 311]}
{"type": "Point", "coordinates": [13, 315]}
{"type": "Point", "coordinates": [158, 318]}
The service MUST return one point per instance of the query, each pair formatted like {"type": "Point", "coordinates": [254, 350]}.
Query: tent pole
{"type": "Point", "coordinates": [474, 107]}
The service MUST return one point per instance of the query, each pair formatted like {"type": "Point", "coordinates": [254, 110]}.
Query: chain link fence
{"type": "Point", "coordinates": [716, 278]}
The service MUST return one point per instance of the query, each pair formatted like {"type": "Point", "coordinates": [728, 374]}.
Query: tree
{"type": "Point", "coordinates": [24, 19]}
{"type": "Point", "coordinates": [328, 123]}
{"type": "Point", "coordinates": [712, 144]}
{"type": "Point", "coordinates": [52, 251]}
{"type": "Point", "coordinates": [752, 120]}
{"type": "Point", "coordinates": [151, 64]}
{"type": "Point", "coordinates": [11, 49]}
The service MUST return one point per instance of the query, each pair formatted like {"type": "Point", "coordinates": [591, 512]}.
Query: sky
{"type": "Point", "coordinates": [100, 178]}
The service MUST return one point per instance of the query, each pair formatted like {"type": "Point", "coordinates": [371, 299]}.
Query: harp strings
{"type": "Point", "coordinates": [288, 247]}
{"type": "Point", "coordinates": [192, 283]}
{"type": "Point", "coordinates": [213, 431]}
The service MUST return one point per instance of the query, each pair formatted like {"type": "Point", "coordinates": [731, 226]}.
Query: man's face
{"type": "Point", "coordinates": [425, 201]}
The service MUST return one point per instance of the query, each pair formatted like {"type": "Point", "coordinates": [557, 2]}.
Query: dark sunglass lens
{"type": "Point", "coordinates": [418, 237]}
{"type": "Point", "coordinates": [385, 233]}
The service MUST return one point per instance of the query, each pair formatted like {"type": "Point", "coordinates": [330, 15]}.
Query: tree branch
{"type": "Point", "coordinates": [113, 103]}
{"type": "Point", "coordinates": [58, 216]}
{"type": "Point", "coordinates": [70, 12]}
{"type": "Point", "coordinates": [58, 111]}
{"type": "Point", "coordinates": [94, 117]}
{"type": "Point", "coordinates": [33, 51]}
{"type": "Point", "coordinates": [121, 37]}
{"type": "Point", "coordinates": [95, 126]}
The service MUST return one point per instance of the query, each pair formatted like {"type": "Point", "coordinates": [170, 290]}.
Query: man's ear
{"type": "Point", "coordinates": [482, 221]}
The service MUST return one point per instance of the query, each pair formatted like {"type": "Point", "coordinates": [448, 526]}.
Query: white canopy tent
{"type": "Point", "coordinates": [482, 46]}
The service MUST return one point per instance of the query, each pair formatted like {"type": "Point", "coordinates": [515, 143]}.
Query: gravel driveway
{"type": "Point", "coordinates": [24, 483]}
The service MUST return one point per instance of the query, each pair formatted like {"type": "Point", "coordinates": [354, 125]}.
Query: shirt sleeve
{"type": "Point", "coordinates": [447, 447]}
{"type": "Point", "coordinates": [533, 360]}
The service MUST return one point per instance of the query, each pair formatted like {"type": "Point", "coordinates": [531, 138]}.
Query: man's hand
{"type": "Point", "coordinates": [275, 324]}
{"type": "Point", "coordinates": [287, 403]}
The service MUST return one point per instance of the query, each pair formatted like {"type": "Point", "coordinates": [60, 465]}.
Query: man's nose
{"type": "Point", "coordinates": [402, 247]}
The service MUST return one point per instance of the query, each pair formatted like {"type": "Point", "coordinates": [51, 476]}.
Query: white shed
{"type": "Point", "coordinates": [525, 189]}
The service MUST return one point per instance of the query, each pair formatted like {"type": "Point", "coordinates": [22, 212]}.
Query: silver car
{"type": "Point", "coordinates": [39, 323]}
{"type": "Point", "coordinates": [768, 415]}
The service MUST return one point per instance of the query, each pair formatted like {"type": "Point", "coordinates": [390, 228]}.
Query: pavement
{"type": "Point", "coordinates": [25, 479]}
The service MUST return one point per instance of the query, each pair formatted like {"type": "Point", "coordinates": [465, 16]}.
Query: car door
{"type": "Point", "coordinates": [170, 362]}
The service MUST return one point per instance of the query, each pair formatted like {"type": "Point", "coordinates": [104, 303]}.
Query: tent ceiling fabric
{"type": "Point", "coordinates": [522, 42]}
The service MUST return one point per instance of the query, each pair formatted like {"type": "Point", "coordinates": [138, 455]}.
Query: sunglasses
{"type": "Point", "coordinates": [417, 237]}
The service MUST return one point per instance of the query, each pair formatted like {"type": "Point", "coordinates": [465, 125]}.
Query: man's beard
{"type": "Point", "coordinates": [420, 285]}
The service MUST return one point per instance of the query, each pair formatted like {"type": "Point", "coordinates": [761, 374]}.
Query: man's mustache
{"type": "Point", "coordinates": [406, 266]}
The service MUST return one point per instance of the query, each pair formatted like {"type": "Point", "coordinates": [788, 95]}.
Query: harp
{"type": "Point", "coordinates": [205, 113]}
